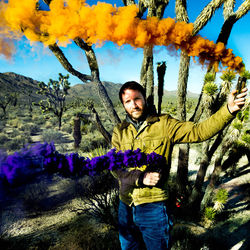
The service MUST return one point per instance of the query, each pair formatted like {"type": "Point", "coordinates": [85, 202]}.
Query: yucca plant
{"type": "Point", "coordinates": [228, 76]}
{"type": "Point", "coordinates": [245, 73]}
{"type": "Point", "coordinates": [209, 216]}
{"type": "Point", "coordinates": [220, 200]}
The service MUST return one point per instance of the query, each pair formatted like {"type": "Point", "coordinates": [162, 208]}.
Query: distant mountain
{"type": "Point", "coordinates": [12, 82]}
{"type": "Point", "coordinates": [88, 91]}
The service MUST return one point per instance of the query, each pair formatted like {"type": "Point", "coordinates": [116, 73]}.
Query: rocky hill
{"type": "Point", "coordinates": [11, 82]}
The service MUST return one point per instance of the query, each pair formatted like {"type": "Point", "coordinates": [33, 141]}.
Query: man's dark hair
{"type": "Point", "coordinates": [131, 85]}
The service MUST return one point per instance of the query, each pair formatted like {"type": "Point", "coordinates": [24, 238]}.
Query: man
{"type": "Point", "coordinates": [143, 192]}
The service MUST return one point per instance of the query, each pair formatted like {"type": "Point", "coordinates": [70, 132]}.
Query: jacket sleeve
{"type": "Point", "coordinates": [184, 132]}
{"type": "Point", "coordinates": [125, 177]}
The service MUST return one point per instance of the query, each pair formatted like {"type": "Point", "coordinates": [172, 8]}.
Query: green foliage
{"type": "Point", "coordinates": [99, 151]}
{"type": "Point", "coordinates": [209, 213]}
{"type": "Point", "coordinates": [221, 196]}
{"type": "Point", "coordinates": [17, 142]}
{"type": "Point", "coordinates": [245, 73]}
{"type": "Point", "coordinates": [14, 133]}
{"type": "Point", "coordinates": [50, 135]}
{"type": "Point", "coordinates": [246, 137]}
{"type": "Point", "coordinates": [237, 124]}
{"type": "Point", "coordinates": [30, 128]}
{"type": "Point", "coordinates": [14, 122]}
{"type": "Point", "coordinates": [228, 76]}
{"type": "Point", "coordinates": [209, 77]}
{"type": "Point", "coordinates": [210, 88]}
{"type": "Point", "coordinates": [67, 128]}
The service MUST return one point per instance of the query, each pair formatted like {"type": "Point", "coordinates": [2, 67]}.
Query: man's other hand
{"type": "Point", "coordinates": [151, 178]}
{"type": "Point", "coordinates": [236, 102]}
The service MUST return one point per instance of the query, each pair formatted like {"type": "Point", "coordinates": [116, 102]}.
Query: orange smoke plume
{"type": "Point", "coordinates": [68, 19]}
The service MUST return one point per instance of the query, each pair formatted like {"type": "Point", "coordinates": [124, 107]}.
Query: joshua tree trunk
{"type": "Point", "coordinates": [77, 132]}
{"type": "Point", "coordinates": [147, 75]}
{"type": "Point", "coordinates": [182, 171]}
{"type": "Point", "coordinates": [161, 69]}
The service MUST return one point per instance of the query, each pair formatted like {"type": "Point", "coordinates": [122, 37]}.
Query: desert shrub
{"type": "Point", "coordinates": [67, 128]}
{"type": "Point", "coordinates": [14, 144]}
{"type": "Point", "coordinates": [101, 199]}
{"type": "Point", "coordinates": [50, 135]}
{"type": "Point", "coordinates": [38, 119]}
{"type": "Point", "coordinates": [88, 145]}
{"type": "Point", "coordinates": [3, 138]}
{"type": "Point", "coordinates": [14, 133]}
{"type": "Point", "coordinates": [48, 125]}
{"type": "Point", "coordinates": [14, 122]}
{"type": "Point", "coordinates": [53, 121]}
{"type": "Point", "coordinates": [84, 128]}
{"type": "Point", "coordinates": [18, 142]}
{"type": "Point", "coordinates": [30, 128]}
{"type": "Point", "coordinates": [2, 125]}
{"type": "Point", "coordinates": [26, 118]}
{"type": "Point", "coordinates": [34, 196]}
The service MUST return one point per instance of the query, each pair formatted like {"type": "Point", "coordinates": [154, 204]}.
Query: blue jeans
{"type": "Point", "coordinates": [149, 222]}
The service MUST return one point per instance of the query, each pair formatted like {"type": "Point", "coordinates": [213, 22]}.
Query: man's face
{"type": "Point", "coordinates": [134, 103]}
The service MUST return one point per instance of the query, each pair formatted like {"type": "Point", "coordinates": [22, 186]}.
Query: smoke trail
{"type": "Point", "coordinates": [68, 19]}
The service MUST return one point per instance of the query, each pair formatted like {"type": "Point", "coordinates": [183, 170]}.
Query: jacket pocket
{"type": "Point", "coordinates": [150, 146]}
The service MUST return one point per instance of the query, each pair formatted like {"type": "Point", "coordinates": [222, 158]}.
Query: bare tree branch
{"type": "Point", "coordinates": [66, 64]}
{"type": "Point", "coordinates": [90, 54]}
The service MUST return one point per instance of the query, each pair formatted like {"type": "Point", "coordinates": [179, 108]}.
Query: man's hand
{"type": "Point", "coordinates": [151, 178]}
{"type": "Point", "coordinates": [235, 103]}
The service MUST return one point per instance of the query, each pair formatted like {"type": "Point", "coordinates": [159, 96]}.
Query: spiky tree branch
{"type": "Point", "coordinates": [206, 15]}
{"type": "Point", "coordinates": [230, 18]}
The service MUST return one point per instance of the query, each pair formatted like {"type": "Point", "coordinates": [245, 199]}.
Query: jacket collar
{"type": "Point", "coordinates": [150, 119]}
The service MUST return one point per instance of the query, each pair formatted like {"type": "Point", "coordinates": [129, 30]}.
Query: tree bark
{"type": "Point", "coordinates": [182, 170]}
{"type": "Point", "coordinates": [161, 70]}
{"type": "Point", "coordinates": [147, 75]}
{"type": "Point", "coordinates": [77, 132]}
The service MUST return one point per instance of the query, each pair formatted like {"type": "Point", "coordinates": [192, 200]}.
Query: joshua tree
{"type": "Point", "coordinates": [5, 100]}
{"type": "Point", "coordinates": [55, 92]}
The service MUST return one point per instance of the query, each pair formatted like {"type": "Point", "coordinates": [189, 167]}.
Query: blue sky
{"type": "Point", "coordinates": [120, 64]}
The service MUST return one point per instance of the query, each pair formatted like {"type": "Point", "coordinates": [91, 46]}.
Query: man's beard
{"type": "Point", "coordinates": [140, 116]}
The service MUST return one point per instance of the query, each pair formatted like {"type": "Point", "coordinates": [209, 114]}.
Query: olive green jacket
{"type": "Point", "coordinates": [159, 134]}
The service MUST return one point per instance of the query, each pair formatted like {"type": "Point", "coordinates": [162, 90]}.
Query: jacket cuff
{"type": "Point", "coordinates": [233, 114]}
{"type": "Point", "coordinates": [139, 181]}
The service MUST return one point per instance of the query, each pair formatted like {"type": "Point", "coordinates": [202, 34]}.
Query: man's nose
{"type": "Point", "coordinates": [133, 104]}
